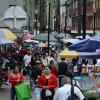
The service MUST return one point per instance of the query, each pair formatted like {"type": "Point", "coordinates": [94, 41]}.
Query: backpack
{"type": "Point", "coordinates": [73, 96]}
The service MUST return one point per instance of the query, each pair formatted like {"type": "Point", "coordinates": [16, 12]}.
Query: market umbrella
{"type": "Point", "coordinates": [41, 45]}
{"type": "Point", "coordinates": [68, 54]}
{"type": "Point", "coordinates": [6, 41]}
{"type": "Point", "coordinates": [5, 33]}
{"type": "Point", "coordinates": [27, 36]}
{"type": "Point", "coordinates": [44, 37]}
{"type": "Point", "coordinates": [62, 35]}
{"type": "Point", "coordinates": [71, 40]}
{"type": "Point", "coordinates": [90, 55]}
{"type": "Point", "coordinates": [31, 41]}
{"type": "Point", "coordinates": [81, 37]}
{"type": "Point", "coordinates": [86, 45]}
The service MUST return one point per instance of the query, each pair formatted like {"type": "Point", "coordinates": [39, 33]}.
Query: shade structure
{"type": "Point", "coordinates": [7, 34]}
{"type": "Point", "coordinates": [81, 37]}
{"type": "Point", "coordinates": [6, 41]}
{"type": "Point", "coordinates": [44, 37]}
{"type": "Point", "coordinates": [71, 40]}
{"type": "Point", "coordinates": [68, 54]}
{"type": "Point", "coordinates": [89, 55]}
{"type": "Point", "coordinates": [27, 36]}
{"type": "Point", "coordinates": [31, 41]}
{"type": "Point", "coordinates": [41, 45]}
{"type": "Point", "coordinates": [62, 35]}
{"type": "Point", "coordinates": [86, 45]}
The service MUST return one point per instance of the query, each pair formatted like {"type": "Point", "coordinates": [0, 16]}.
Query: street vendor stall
{"type": "Point", "coordinates": [68, 54]}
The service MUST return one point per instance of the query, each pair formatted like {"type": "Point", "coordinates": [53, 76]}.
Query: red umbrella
{"type": "Point", "coordinates": [27, 36]}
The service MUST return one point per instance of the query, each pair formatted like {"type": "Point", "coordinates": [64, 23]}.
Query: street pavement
{"type": "Point", "coordinates": [5, 92]}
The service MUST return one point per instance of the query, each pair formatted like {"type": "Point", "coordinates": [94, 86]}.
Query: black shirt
{"type": "Point", "coordinates": [35, 74]}
{"type": "Point", "coordinates": [62, 68]}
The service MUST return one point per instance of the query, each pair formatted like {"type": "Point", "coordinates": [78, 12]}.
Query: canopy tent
{"type": "Point", "coordinates": [68, 54]}
{"type": "Point", "coordinates": [86, 45]}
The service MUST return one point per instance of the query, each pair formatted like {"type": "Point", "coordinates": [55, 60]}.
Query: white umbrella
{"type": "Point", "coordinates": [32, 41]}
{"type": "Point", "coordinates": [71, 40]}
{"type": "Point", "coordinates": [81, 37]}
{"type": "Point", "coordinates": [6, 41]}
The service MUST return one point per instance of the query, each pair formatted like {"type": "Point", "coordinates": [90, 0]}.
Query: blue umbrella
{"type": "Point", "coordinates": [86, 45]}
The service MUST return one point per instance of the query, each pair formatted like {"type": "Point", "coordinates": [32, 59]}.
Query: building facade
{"type": "Point", "coordinates": [74, 16]}
{"type": "Point", "coordinates": [4, 6]}
{"type": "Point", "coordinates": [96, 5]}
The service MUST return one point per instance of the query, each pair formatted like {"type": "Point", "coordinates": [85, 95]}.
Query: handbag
{"type": "Point", "coordinates": [23, 91]}
{"type": "Point", "coordinates": [48, 93]}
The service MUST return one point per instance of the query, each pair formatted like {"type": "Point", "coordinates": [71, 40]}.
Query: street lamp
{"type": "Point", "coordinates": [94, 11]}
{"type": "Point", "coordinates": [36, 12]}
{"type": "Point", "coordinates": [49, 26]}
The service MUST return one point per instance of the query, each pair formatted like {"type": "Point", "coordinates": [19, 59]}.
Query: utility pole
{"type": "Point", "coordinates": [32, 16]}
{"type": "Point", "coordinates": [84, 19]}
{"type": "Point", "coordinates": [28, 13]}
{"type": "Point", "coordinates": [79, 17]}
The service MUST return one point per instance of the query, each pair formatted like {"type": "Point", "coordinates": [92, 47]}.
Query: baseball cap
{"type": "Point", "coordinates": [29, 52]}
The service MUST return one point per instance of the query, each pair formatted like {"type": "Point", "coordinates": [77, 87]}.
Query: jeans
{"type": "Point", "coordinates": [13, 93]}
{"type": "Point", "coordinates": [37, 93]}
{"type": "Point", "coordinates": [30, 72]}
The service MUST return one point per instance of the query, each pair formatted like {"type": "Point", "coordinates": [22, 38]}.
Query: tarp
{"type": "Point", "coordinates": [68, 54]}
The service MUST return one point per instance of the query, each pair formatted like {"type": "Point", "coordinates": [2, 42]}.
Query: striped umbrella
{"type": "Point", "coordinates": [41, 45]}
{"type": "Point", "coordinates": [5, 33]}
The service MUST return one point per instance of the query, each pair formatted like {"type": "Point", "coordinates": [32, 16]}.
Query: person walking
{"type": "Point", "coordinates": [64, 92]}
{"type": "Point", "coordinates": [27, 60]}
{"type": "Point", "coordinates": [34, 78]}
{"type": "Point", "coordinates": [15, 78]}
{"type": "Point", "coordinates": [49, 82]}
{"type": "Point", "coordinates": [53, 68]}
{"type": "Point", "coordinates": [62, 70]}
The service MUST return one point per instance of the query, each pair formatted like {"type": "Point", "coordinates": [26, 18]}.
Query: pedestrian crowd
{"type": "Point", "coordinates": [44, 73]}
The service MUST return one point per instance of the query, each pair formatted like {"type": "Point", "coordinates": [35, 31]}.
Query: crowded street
{"type": "Point", "coordinates": [49, 49]}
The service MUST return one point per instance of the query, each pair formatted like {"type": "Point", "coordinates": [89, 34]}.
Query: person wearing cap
{"type": "Point", "coordinates": [27, 60]}
{"type": "Point", "coordinates": [34, 78]}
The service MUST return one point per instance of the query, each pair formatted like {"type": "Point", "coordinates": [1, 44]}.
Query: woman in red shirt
{"type": "Point", "coordinates": [53, 68]}
{"type": "Point", "coordinates": [15, 78]}
{"type": "Point", "coordinates": [47, 81]}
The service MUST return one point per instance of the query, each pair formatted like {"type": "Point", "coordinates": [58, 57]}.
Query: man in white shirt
{"type": "Point", "coordinates": [44, 60]}
{"type": "Point", "coordinates": [27, 60]}
{"type": "Point", "coordinates": [64, 92]}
